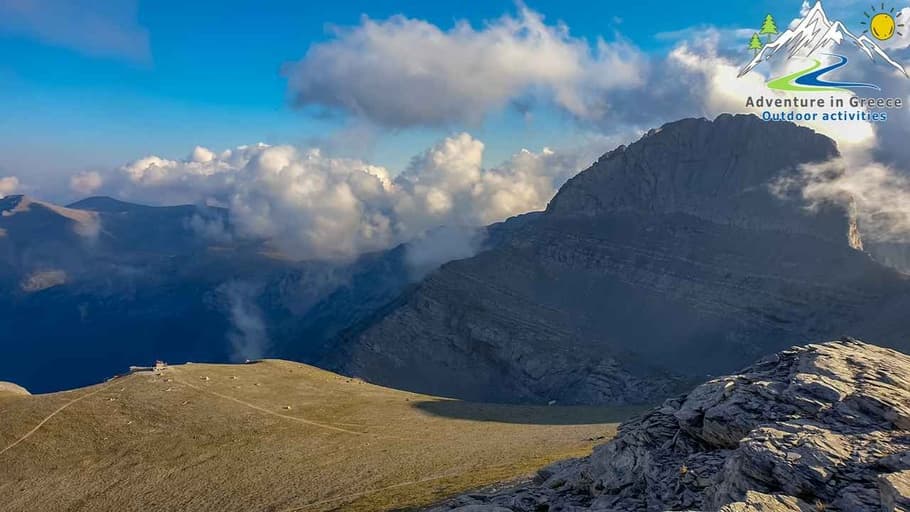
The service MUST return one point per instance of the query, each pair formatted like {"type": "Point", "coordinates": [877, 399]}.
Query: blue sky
{"type": "Point", "coordinates": [160, 77]}
{"type": "Point", "coordinates": [212, 76]}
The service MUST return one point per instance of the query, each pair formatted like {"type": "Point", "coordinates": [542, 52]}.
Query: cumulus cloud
{"type": "Point", "coordinates": [8, 185]}
{"type": "Point", "coordinates": [405, 72]}
{"type": "Point", "coordinates": [106, 28]}
{"type": "Point", "coordinates": [312, 206]}
{"type": "Point", "coordinates": [86, 182]}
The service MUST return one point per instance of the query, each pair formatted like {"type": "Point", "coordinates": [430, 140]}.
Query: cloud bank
{"type": "Point", "coordinates": [311, 206]}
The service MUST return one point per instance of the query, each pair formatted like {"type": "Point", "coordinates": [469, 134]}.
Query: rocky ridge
{"type": "Point", "coordinates": [819, 427]}
{"type": "Point", "coordinates": [673, 247]}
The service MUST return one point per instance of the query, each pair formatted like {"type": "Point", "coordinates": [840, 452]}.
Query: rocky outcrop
{"type": "Point", "coordinates": [820, 427]}
{"type": "Point", "coordinates": [9, 388]}
{"type": "Point", "coordinates": [676, 247]}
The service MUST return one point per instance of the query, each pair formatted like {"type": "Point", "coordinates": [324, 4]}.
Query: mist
{"type": "Point", "coordinates": [247, 335]}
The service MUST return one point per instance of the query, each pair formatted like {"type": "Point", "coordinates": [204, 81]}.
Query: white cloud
{"type": "Point", "coordinates": [405, 72]}
{"type": "Point", "coordinates": [8, 185]}
{"type": "Point", "coordinates": [201, 155]}
{"type": "Point", "coordinates": [314, 206]}
{"type": "Point", "coordinates": [106, 28]}
{"type": "Point", "coordinates": [878, 194]}
{"type": "Point", "coordinates": [86, 183]}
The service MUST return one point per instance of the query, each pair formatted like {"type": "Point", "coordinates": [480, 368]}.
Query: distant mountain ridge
{"type": "Point", "coordinates": [108, 204]}
{"type": "Point", "coordinates": [101, 284]}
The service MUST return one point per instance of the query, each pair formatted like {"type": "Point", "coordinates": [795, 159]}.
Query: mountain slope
{"type": "Point", "coordinates": [272, 435]}
{"type": "Point", "coordinates": [665, 261]}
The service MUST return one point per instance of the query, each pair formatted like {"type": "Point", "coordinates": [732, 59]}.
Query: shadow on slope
{"type": "Point", "coordinates": [529, 414]}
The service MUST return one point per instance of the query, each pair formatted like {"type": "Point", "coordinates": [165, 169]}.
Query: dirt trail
{"type": "Point", "coordinates": [51, 415]}
{"type": "Point", "coordinates": [273, 413]}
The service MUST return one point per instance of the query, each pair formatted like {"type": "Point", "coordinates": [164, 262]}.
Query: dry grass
{"type": "Point", "coordinates": [271, 436]}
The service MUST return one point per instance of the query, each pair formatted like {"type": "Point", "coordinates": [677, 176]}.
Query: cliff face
{"type": "Point", "coordinates": [663, 262]}
{"type": "Point", "coordinates": [820, 427]}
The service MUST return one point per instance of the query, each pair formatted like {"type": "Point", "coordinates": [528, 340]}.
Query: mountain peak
{"type": "Point", "coordinates": [11, 202]}
{"type": "Point", "coordinates": [22, 204]}
{"type": "Point", "coordinates": [722, 171]}
{"type": "Point", "coordinates": [105, 204]}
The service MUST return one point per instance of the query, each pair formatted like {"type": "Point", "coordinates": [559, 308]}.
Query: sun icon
{"type": "Point", "coordinates": [883, 24]}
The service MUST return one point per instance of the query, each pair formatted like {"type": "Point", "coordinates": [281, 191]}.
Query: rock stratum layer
{"type": "Point", "coordinates": [667, 261]}
{"type": "Point", "coordinates": [820, 427]}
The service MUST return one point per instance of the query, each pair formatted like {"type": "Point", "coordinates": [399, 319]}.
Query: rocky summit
{"type": "Point", "coordinates": [813, 428]}
{"type": "Point", "coordinates": [664, 263]}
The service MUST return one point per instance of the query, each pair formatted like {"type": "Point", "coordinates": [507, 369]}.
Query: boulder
{"type": "Point", "coordinates": [895, 491]}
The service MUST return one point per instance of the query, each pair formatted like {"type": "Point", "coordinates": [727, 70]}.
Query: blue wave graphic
{"type": "Point", "coordinates": [813, 79]}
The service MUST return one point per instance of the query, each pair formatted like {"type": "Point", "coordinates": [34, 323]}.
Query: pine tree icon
{"type": "Point", "coordinates": [769, 27]}
{"type": "Point", "coordinates": [755, 44]}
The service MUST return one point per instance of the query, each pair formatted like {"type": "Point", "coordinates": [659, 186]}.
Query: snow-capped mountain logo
{"type": "Point", "coordinates": [814, 36]}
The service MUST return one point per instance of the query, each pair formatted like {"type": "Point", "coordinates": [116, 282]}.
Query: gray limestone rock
{"type": "Point", "coordinates": [895, 491]}
{"type": "Point", "coordinates": [758, 502]}
{"type": "Point", "coordinates": [819, 427]}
